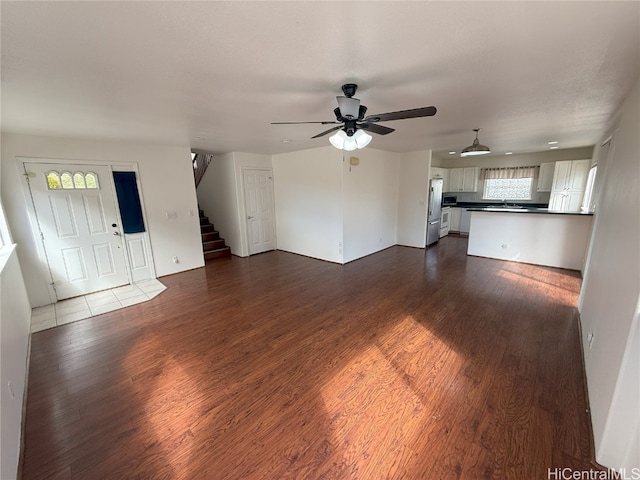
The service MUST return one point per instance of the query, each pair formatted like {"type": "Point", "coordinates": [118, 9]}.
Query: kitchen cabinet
{"type": "Point", "coordinates": [545, 177]}
{"type": "Point", "coordinates": [565, 201]}
{"type": "Point", "coordinates": [463, 179]}
{"type": "Point", "coordinates": [443, 173]}
{"type": "Point", "coordinates": [470, 179]}
{"type": "Point", "coordinates": [455, 179]}
{"type": "Point", "coordinates": [465, 221]}
{"type": "Point", "coordinates": [454, 219]}
{"type": "Point", "coordinates": [569, 180]}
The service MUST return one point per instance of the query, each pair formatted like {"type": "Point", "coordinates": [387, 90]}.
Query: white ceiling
{"type": "Point", "coordinates": [169, 72]}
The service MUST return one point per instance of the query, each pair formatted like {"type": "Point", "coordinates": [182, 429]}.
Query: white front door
{"type": "Point", "coordinates": [79, 225]}
{"type": "Point", "coordinates": [258, 199]}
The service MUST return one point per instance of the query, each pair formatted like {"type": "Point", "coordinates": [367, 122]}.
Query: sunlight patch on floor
{"type": "Point", "coordinates": [383, 394]}
{"type": "Point", "coordinates": [170, 405]}
{"type": "Point", "coordinates": [562, 293]}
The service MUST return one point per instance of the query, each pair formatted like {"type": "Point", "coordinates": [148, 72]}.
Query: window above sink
{"type": "Point", "coordinates": [507, 189]}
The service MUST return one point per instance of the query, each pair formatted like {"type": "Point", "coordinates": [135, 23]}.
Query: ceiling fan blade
{"type": "Point", "coordinates": [297, 123]}
{"type": "Point", "coordinates": [327, 131]}
{"type": "Point", "coordinates": [402, 114]}
{"type": "Point", "coordinates": [374, 128]}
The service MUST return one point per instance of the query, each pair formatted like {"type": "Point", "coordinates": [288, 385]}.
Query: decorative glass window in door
{"type": "Point", "coordinates": [69, 181]}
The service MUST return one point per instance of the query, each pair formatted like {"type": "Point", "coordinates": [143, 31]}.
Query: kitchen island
{"type": "Point", "coordinates": [530, 235]}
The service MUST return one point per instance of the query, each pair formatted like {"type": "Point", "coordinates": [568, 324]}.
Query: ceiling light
{"type": "Point", "coordinates": [342, 141]}
{"type": "Point", "coordinates": [349, 144]}
{"type": "Point", "coordinates": [337, 140]}
{"type": "Point", "coordinates": [553, 148]}
{"type": "Point", "coordinates": [475, 148]}
{"type": "Point", "coordinates": [552, 143]}
{"type": "Point", "coordinates": [508, 153]}
{"type": "Point", "coordinates": [362, 138]}
{"type": "Point", "coordinates": [286, 140]}
{"type": "Point", "coordinates": [452, 153]}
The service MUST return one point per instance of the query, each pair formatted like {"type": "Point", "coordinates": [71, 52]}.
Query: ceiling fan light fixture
{"type": "Point", "coordinates": [475, 148]}
{"type": "Point", "coordinates": [351, 118]}
{"type": "Point", "coordinates": [337, 140]}
{"type": "Point", "coordinates": [350, 144]}
{"type": "Point", "coordinates": [362, 138]}
{"type": "Point", "coordinates": [349, 107]}
{"type": "Point", "coordinates": [342, 141]}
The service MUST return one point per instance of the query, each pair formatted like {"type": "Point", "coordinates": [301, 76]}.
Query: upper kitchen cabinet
{"type": "Point", "coordinates": [569, 181]}
{"type": "Point", "coordinates": [443, 173]}
{"type": "Point", "coordinates": [545, 177]}
{"type": "Point", "coordinates": [463, 179]}
{"type": "Point", "coordinates": [571, 175]}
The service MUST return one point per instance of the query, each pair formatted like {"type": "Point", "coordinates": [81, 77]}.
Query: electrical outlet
{"type": "Point", "coordinates": [171, 215]}
{"type": "Point", "coordinates": [504, 246]}
{"type": "Point", "coordinates": [175, 259]}
{"type": "Point", "coordinates": [340, 248]}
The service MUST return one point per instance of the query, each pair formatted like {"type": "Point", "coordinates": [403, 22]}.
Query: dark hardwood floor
{"type": "Point", "coordinates": [405, 364]}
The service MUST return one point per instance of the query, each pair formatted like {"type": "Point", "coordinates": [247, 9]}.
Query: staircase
{"type": "Point", "coordinates": [212, 245]}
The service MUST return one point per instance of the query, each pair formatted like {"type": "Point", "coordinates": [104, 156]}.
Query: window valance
{"type": "Point", "coordinates": [509, 172]}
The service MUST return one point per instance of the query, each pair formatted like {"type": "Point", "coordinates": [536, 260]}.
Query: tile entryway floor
{"type": "Point", "coordinates": [79, 308]}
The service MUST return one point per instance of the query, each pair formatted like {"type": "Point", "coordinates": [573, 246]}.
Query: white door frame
{"type": "Point", "coordinates": [244, 206]}
{"type": "Point", "coordinates": [43, 265]}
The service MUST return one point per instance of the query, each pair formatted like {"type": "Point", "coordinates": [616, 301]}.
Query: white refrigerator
{"type": "Point", "coordinates": [435, 206]}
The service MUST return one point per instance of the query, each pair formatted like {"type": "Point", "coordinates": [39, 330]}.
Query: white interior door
{"type": "Point", "coordinates": [258, 199]}
{"type": "Point", "coordinates": [78, 220]}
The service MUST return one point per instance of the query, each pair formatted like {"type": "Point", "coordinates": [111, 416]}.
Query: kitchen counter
{"type": "Point", "coordinates": [497, 205]}
{"type": "Point", "coordinates": [542, 210]}
{"type": "Point", "coordinates": [555, 239]}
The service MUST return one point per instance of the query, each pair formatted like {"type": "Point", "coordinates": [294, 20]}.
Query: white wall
{"type": "Point", "coordinates": [413, 196]}
{"type": "Point", "coordinates": [369, 202]}
{"type": "Point", "coordinates": [15, 317]}
{"type": "Point", "coordinates": [166, 179]}
{"type": "Point", "coordinates": [610, 297]}
{"type": "Point", "coordinates": [308, 202]}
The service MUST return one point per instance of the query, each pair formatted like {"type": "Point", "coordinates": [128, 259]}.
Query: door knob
{"type": "Point", "coordinates": [117, 234]}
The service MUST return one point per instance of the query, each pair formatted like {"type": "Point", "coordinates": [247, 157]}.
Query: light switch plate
{"type": "Point", "coordinates": [355, 161]}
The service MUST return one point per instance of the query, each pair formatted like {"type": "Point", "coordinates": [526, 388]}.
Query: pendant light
{"type": "Point", "coordinates": [475, 148]}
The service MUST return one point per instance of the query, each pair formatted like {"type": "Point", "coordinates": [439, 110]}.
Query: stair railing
{"type": "Point", "coordinates": [200, 163]}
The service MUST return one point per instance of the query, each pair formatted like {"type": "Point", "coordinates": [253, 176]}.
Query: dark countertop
{"type": "Point", "coordinates": [496, 204]}
{"type": "Point", "coordinates": [525, 210]}
{"type": "Point", "coordinates": [512, 208]}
